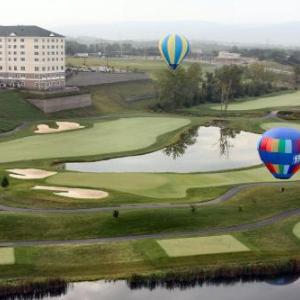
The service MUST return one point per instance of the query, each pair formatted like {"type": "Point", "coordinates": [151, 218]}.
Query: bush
{"type": "Point", "coordinates": [5, 182]}
{"type": "Point", "coordinates": [116, 214]}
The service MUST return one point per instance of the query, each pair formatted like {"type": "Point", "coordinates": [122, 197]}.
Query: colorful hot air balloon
{"type": "Point", "coordinates": [279, 149]}
{"type": "Point", "coordinates": [174, 48]}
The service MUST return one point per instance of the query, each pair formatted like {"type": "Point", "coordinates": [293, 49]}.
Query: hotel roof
{"type": "Point", "coordinates": [26, 31]}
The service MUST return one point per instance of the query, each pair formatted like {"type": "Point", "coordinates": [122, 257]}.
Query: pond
{"type": "Point", "coordinates": [286, 288]}
{"type": "Point", "coordinates": [200, 149]}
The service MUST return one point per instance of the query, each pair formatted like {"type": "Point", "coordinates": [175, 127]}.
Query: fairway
{"type": "Point", "coordinates": [284, 100]}
{"type": "Point", "coordinates": [161, 185]}
{"type": "Point", "coordinates": [7, 256]}
{"type": "Point", "coordinates": [268, 126]}
{"type": "Point", "coordinates": [202, 246]}
{"type": "Point", "coordinates": [126, 134]}
{"type": "Point", "coordinates": [297, 230]}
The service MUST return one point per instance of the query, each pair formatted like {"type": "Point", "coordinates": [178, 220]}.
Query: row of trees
{"type": "Point", "coordinates": [282, 56]}
{"type": "Point", "coordinates": [191, 86]}
{"type": "Point", "coordinates": [110, 49]}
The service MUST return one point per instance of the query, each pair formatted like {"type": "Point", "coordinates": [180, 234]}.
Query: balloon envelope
{"type": "Point", "coordinates": [279, 149]}
{"type": "Point", "coordinates": [174, 48]}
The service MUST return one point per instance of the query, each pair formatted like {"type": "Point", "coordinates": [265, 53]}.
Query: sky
{"type": "Point", "coordinates": [57, 13]}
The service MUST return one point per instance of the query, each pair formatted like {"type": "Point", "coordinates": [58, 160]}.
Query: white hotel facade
{"type": "Point", "coordinates": [31, 57]}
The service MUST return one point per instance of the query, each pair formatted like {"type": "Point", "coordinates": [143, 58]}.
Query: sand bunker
{"type": "Point", "coordinates": [62, 126]}
{"type": "Point", "coordinates": [73, 192]}
{"type": "Point", "coordinates": [30, 173]}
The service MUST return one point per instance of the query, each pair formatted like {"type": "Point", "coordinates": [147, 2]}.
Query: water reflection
{"type": "Point", "coordinates": [226, 135]}
{"type": "Point", "coordinates": [187, 139]}
{"type": "Point", "coordinates": [174, 290]}
{"type": "Point", "coordinates": [199, 150]}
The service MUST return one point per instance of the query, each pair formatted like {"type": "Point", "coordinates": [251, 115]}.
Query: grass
{"type": "Point", "coordinates": [247, 207]}
{"type": "Point", "coordinates": [15, 110]}
{"type": "Point", "coordinates": [296, 230]}
{"type": "Point", "coordinates": [112, 98]}
{"type": "Point", "coordinates": [281, 100]}
{"type": "Point", "coordinates": [202, 246]}
{"type": "Point", "coordinates": [7, 256]}
{"type": "Point", "coordinates": [268, 245]}
{"type": "Point", "coordinates": [271, 125]}
{"type": "Point", "coordinates": [104, 137]}
{"type": "Point", "coordinates": [161, 185]}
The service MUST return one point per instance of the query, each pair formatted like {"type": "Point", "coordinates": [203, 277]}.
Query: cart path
{"type": "Point", "coordinates": [223, 198]}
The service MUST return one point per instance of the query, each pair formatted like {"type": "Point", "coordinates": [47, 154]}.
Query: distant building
{"type": "Point", "coordinates": [81, 55]}
{"type": "Point", "coordinates": [31, 57]}
{"type": "Point", "coordinates": [230, 58]}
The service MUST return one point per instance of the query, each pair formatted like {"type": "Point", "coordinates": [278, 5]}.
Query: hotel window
{"type": "Point", "coordinates": [15, 68]}
{"type": "Point", "coordinates": [22, 58]}
{"type": "Point", "coordinates": [22, 52]}
{"type": "Point", "coordinates": [15, 40]}
{"type": "Point", "coordinates": [36, 47]}
{"type": "Point", "coordinates": [0, 67]}
{"type": "Point", "coordinates": [36, 69]}
{"type": "Point", "coordinates": [9, 68]}
{"type": "Point", "coordinates": [22, 40]}
{"type": "Point", "coordinates": [36, 53]}
{"type": "Point", "coordinates": [36, 59]}
{"type": "Point", "coordinates": [9, 46]}
{"type": "Point", "coordinates": [9, 40]}
{"type": "Point", "coordinates": [43, 69]}
{"type": "Point", "coordinates": [23, 69]}
{"type": "Point", "coordinates": [36, 40]}
{"type": "Point", "coordinates": [15, 46]}
{"type": "Point", "coordinates": [22, 46]}
{"type": "Point", "coordinates": [15, 59]}
{"type": "Point", "coordinates": [9, 59]}
{"type": "Point", "coordinates": [15, 52]}
{"type": "Point", "coordinates": [62, 68]}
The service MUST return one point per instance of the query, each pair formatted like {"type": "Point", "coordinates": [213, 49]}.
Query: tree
{"type": "Point", "coordinates": [4, 182]}
{"type": "Point", "coordinates": [296, 76]}
{"type": "Point", "coordinates": [229, 79]}
{"type": "Point", "coordinates": [179, 88]}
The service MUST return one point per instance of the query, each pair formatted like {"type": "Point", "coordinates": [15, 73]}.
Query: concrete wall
{"type": "Point", "coordinates": [62, 103]}
{"type": "Point", "coordinates": [97, 78]}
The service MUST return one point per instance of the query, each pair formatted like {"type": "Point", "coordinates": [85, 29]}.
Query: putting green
{"type": "Point", "coordinates": [160, 185]}
{"type": "Point", "coordinates": [7, 256]}
{"type": "Point", "coordinates": [296, 230]}
{"type": "Point", "coordinates": [268, 126]}
{"type": "Point", "coordinates": [284, 100]}
{"type": "Point", "coordinates": [105, 137]}
{"type": "Point", "coordinates": [202, 246]}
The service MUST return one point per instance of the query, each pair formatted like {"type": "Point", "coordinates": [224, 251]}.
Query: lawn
{"type": "Point", "coordinates": [271, 125]}
{"type": "Point", "coordinates": [126, 134]}
{"type": "Point", "coordinates": [161, 185]}
{"type": "Point", "coordinates": [15, 110]}
{"type": "Point", "coordinates": [247, 207]}
{"type": "Point", "coordinates": [282, 100]}
{"type": "Point", "coordinates": [7, 256]}
{"type": "Point", "coordinates": [202, 246]}
{"type": "Point", "coordinates": [133, 64]}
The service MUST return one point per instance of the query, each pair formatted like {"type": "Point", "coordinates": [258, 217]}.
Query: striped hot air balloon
{"type": "Point", "coordinates": [174, 48]}
{"type": "Point", "coordinates": [279, 149]}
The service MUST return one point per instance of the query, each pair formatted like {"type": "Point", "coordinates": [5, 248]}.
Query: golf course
{"type": "Point", "coordinates": [73, 225]}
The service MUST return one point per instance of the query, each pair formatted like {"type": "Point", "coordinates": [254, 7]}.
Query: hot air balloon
{"type": "Point", "coordinates": [279, 149]}
{"type": "Point", "coordinates": [174, 48]}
